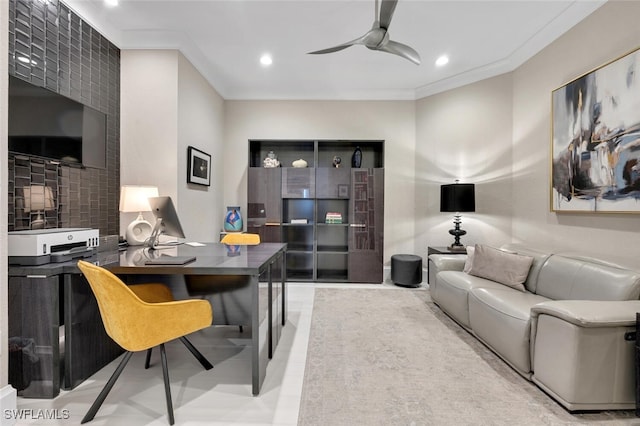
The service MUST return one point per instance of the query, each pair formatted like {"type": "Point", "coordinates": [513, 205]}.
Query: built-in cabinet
{"type": "Point", "coordinates": [332, 218]}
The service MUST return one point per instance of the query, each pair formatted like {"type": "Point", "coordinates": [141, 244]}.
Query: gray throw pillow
{"type": "Point", "coordinates": [469, 261]}
{"type": "Point", "coordinates": [494, 264]}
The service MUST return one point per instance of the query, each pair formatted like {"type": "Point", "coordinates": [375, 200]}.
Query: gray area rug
{"type": "Point", "coordinates": [391, 357]}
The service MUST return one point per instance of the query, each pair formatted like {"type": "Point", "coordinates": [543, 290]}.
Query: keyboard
{"type": "Point", "coordinates": [170, 260]}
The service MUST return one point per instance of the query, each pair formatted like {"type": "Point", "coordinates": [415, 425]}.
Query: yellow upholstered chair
{"type": "Point", "coordinates": [140, 317]}
{"type": "Point", "coordinates": [240, 239]}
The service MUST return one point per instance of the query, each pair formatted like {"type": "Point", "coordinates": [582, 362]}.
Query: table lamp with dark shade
{"type": "Point", "coordinates": [457, 197]}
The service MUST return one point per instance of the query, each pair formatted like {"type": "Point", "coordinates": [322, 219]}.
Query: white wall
{"type": "Point", "coordinates": [148, 122]}
{"type": "Point", "coordinates": [200, 124]}
{"type": "Point", "coordinates": [608, 33]}
{"type": "Point", "coordinates": [392, 121]}
{"type": "Point", "coordinates": [465, 134]}
{"type": "Point", "coordinates": [4, 191]}
{"type": "Point", "coordinates": [166, 105]}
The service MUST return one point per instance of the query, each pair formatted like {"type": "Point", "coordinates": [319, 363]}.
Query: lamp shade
{"type": "Point", "coordinates": [38, 198]}
{"type": "Point", "coordinates": [458, 197]}
{"type": "Point", "coordinates": [135, 198]}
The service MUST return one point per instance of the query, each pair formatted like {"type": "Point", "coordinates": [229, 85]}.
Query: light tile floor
{"type": "Point", "coordinates": [221, 396]}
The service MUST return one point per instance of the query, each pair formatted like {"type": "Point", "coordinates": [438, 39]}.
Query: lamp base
{"type": "Point", "coordinates": [138, 232]}
{"type": "Point", "coordinates": [457, 232]}
{"type": "Point", "coordinates": [39, 222]}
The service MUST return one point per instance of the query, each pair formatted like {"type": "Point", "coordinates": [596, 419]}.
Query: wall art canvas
{"type": "Point", "coordinates": [198, 167]}
{"type": "Point", "coordinates": [595, 152]}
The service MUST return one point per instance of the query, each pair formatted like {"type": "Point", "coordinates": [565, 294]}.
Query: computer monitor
{"type": "Point", "coordinates": [167, 221]}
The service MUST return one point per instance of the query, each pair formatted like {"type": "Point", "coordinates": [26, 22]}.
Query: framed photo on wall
{"type": "Point", "coordinates": [595, 142]}
{"type": "Point", "coordinates": [198, 167]}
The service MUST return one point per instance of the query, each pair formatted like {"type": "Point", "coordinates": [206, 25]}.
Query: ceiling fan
{"type": "Point", "coordinates": [377, 38]}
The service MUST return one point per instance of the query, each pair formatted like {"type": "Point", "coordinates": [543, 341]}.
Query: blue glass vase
{"type": "Point", "coordinates": [356, 158]}
{"type": "Point", "coordinates": [233, 220]}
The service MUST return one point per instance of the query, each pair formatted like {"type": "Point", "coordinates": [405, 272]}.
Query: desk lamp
{"type": "Point", "coordinates": [457, 197]}
{"type": "Point", "coordinates": [38, 198]}
{"type": "Point", "coordinates": [135, 198]}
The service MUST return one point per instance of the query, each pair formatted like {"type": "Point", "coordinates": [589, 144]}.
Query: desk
{"type": "Point", "coordinates": [243, 265]}
{"type": "Point", "coordinates": [86, 347]}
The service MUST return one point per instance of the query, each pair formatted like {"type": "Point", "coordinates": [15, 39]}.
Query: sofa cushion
{"type": "Point", "coordinates": [449, 291]}
{"type": "Point", "coordinates": [506, 268]}
{"type": "Point", "coordinates": [577, 278]}
{"type": "Point", "coordinates": [540, 256]}
{"type": "Point", "coordinates": [500, 317]}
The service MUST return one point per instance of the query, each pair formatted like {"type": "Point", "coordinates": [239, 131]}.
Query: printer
{"type": "Point", "coordinates": [41, 246]}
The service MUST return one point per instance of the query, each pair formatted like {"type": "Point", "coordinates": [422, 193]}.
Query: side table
{"type": "Point", "coordinates": [440, 250]}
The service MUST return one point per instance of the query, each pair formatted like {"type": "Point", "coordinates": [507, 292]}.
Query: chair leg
{"type": "Point", "coordinates": [167, 388]}
{"type": "Point", "coordinates": [105, 391]}
{"type": "Point", "coordinates": [205, 363]}
{"type": "Point", "coordinates": [147, 361]}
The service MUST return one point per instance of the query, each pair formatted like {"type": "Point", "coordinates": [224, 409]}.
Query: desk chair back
{"type": "Point", "coordinates": [141, 319]}
{"type": "Point", "coordinates": [241, 239]}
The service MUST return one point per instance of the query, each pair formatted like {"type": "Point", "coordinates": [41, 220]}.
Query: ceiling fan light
{"type": "Point", "coordinates": [442, 60]}
{"type": "Point", "coordinates": [111, 3]}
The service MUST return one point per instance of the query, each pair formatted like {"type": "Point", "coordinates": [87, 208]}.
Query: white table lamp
{"type": "Point", "coordinates": [135, 198]}
{"type": "Point", "coordinates": [38, 198]}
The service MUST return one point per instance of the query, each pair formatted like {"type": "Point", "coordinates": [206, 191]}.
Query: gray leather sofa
{"type": "Point", "coordinates": [565, 331]}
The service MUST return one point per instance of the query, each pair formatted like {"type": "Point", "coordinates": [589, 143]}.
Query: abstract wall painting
{"type": "Point", "coordinates": [595, 147]}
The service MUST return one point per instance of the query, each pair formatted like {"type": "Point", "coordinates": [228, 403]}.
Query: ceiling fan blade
{"type": "Point", "coordinates": [386, 12]}
{"type": "Point", "coordinates": [401, 50]}
{"type": "Point", "coordinates": [331, 49]}
{"type": "Point", "coordinates": [359, 40]}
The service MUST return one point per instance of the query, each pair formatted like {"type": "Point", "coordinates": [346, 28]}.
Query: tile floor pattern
{"type": "Point", "coordinates": [220, 396]}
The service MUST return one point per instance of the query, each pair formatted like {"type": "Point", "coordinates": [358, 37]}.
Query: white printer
{"type": "Point", "coordinates": [40, 246]}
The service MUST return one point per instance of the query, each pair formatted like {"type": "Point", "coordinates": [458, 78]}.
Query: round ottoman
{"type": "Point", "coordinates": [406, 270]}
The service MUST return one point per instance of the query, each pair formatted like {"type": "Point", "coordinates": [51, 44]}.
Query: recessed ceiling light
{"type": "Point", "coordinates": [266, 60]}
{"type": "Point", "coordinates": [111, 2]}
{"type": "Point", "coordinates": [442, 60]}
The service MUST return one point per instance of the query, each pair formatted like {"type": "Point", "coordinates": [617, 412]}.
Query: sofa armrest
{"type": "Point", "coordinates": [590, 313]}
{"type": "Point", "coordinates": [447, 262]}
{"type": "Point", "coordinates": [576, 343]}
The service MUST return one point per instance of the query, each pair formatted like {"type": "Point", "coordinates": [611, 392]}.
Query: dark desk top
{"type": "Point", "coordinates": [211, 259]}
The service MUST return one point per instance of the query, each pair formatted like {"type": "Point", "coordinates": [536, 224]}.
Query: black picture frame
{"type": "Point", "coordinates": [198, 167]}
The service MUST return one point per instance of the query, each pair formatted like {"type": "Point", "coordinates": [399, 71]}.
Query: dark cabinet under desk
{"type": "Point", "coordinates": [56, 335]}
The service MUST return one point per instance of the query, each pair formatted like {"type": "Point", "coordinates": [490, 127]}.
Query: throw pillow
{"type": "Point", "coordinates": [469, 261]}
{"type": "Point", "coordinates": [506, 268]}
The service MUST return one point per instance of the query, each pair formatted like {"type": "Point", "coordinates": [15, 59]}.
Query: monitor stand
{"type": "Point", "coordinates": [154, 239]}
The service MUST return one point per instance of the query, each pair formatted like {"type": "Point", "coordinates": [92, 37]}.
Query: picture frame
{"type": "Point", "coordinates": [595, 140]}
{"type": "Point", "coordinates": [343, 191]}
{"type": "Point", "coordinates": [198, 167]}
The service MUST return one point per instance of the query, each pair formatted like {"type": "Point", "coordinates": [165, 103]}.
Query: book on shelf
{"type": "Point", "coordinates": [298, 221]}
{"type": "Point", "coordinates": [333, 217]}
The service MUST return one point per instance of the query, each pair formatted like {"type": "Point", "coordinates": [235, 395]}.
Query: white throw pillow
{"type": "Point", "coordinates": [494, 264]}
{"type": "Point", "coordinates": [469, 261]}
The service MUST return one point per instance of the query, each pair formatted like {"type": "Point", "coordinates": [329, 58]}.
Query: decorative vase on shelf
{"type": "Point", "coordinates": [356, 158]}
{"type": "Point", "coordinates": [271, 160]}
{"type": "Point", "coordinates": [299, 163]}
{"type": "Point", "coordinates": [233, 219]}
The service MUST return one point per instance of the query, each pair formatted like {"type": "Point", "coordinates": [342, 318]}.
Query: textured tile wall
{"type": "Point", "coordinates": [52, 47]}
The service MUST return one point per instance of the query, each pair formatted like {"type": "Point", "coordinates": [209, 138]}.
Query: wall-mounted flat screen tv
{"type": "Point", "coordinates": [45, 124]}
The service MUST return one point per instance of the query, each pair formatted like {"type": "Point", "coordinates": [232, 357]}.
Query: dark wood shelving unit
{"type": "Point", "coordinates": [288, 204]}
